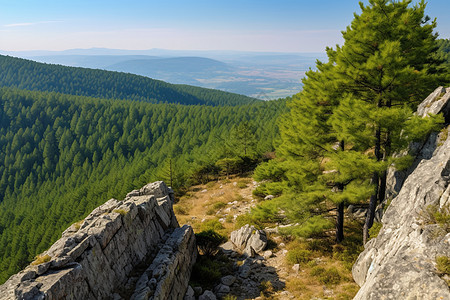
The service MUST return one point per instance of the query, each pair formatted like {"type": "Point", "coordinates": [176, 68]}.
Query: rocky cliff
{"type": "Point", "coordinates": [124, 249]}
{"type": "Point", "coordinates": [400, 263]}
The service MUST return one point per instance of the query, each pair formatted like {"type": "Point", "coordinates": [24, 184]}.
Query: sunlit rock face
{"type": "Point", "coordinates": [122, 249]}
{"type": "Point", "coordinates": [400, 263]}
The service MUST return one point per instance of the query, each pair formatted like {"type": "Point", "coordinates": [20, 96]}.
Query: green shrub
{"type": "Point", "coordinates": [206, 272]}
{"type": "Point", "coordinates": [298, 256]}
{"type": "Point", "coordinates": [244, 219]}
{"type": "Point", "coordinates": [433, 215]}
{"type": "Point", "coordinates": [443, 264]}
{"type": "Point", "coordinates": [326, 276]}
{"type": "Point", "coordinates": [40, 259]}
{"type": "Point", "coordinates": [208, 242]}
{"type": "Point", "coordinates": [122, 212]}
{"type": "Point", "coordinates": [212, 224]}
{"type": "Point", "coordinates": [241, 184]}
{"type": "Point", "coordinates": [181, 209]}
{"type": "Point", "coordinates": [229, 297]}
{"type": "Point", "coordinates": [313, 227]}
{"type": "Point", "coordinates": [320, 245]}
{"type": "Point", "coordinates": [375, 229]}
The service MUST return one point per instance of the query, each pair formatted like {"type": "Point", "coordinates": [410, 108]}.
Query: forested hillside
{"type": "Point", "coordinates": [63, 155]}
{"type": "Point", "coordinates": [30, 75]}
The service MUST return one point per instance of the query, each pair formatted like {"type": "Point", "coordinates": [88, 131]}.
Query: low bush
{"type": "Point", "coordinates": [298, 256]}
{"type": "Point", "coordinates": [443, 264]}
{"type": "Point", "coordinates": [40, 259]}
{"type": "Point", "coordinates": [212, 224]}
{"type": "Point", "coordinates": [375, 229]}
{"type": "Point", "coordinates": [208, 242]}
{"type": "Point", "coordinates": [326, 276]}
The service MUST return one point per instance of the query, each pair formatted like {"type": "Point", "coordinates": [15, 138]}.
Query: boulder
{"type": "Point", "coordinates": [207, 295]}
{"type": "Point", "coordinates": [247, 238]}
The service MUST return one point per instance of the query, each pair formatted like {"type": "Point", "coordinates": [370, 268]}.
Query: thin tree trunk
{"type": "Point", "coordinates": [340, 223]}
{"type": "Point", "coordinates": [340, 209]}
{"type": "Point", "coordinates": [373, 199]}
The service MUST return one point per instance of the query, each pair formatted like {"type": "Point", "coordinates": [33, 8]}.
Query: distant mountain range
{"type": "Point", "coordinates": [261, 75]}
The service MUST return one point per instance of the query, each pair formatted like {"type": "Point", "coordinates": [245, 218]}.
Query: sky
{"type": "Point", "coordinates": [242, 25]}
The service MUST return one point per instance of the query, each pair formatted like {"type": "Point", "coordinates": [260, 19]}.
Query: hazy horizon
{"type": "Point", "coordinates": [287, 26]}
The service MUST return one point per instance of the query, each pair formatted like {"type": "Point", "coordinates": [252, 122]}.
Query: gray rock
{"type": "Point", "coordinates": [269, 197]}
{"type": "Point", "coordinates": [190, 294]}
{"type": "Point", "coordinates": [436, 102]}
{"type": "Point", "coordinates": [247, 238]}
{"type": "Point", "coordinates": [228, 280]}
{"type": "Point", "coordinates": [95, 259]}
{"type": "Point", "coordinates": [296, 268]}
{"type": "Point", "coordinates": [400, 262]}
{"type": "Point", "coordinates": [267, 254]}
{"type": "Point", "coordinates": [198, 290]}
{"type": "Point", "coordinates": [207, 295]}
{"type": "Point", "coordinates": [222, 289]}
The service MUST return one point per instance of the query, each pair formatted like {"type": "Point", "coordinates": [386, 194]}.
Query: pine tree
{"type": "Point", "coordinates": [388, 61]}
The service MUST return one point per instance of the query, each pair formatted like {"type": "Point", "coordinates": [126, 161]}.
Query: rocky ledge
{"type": "Point", "coordinates": [123, 249]}
{"type": "Point", "coordinates": [400, 263]}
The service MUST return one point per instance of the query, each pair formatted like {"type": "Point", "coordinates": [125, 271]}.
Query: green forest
{"type": "Point", "coordinates": [63, 155]}
{"type": "Point", "coordinates": [30, 75]}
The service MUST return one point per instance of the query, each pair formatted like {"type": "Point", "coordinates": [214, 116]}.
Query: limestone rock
{"type": "Point", "coordinates": [436, 102]}
{"type": "Point", "coordinates": [247, 238]}
{"type": "Point", "coordinates": [400, 262]}
{"type": "Point", "coordinates": [228, 280]}
{"type": "Point", "coordinates": [95, 257]}
{"type": "Point", "coordinates": [207, 295]}
{"type": "Point", "coordinates": [190, 294]}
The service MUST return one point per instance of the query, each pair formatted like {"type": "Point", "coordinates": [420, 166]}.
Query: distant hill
{"type": "Point", "coordinates": [30, 75]}
{"type": "Point", "coordinates": [149, 67]}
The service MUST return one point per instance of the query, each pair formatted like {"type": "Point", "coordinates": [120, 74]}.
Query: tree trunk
{"type": "Point", "coordinates": [373, 199]}
{"type": "Point", "coordinates": [340, 223]}
{"type": "Point", "coordinates": [340, 209]}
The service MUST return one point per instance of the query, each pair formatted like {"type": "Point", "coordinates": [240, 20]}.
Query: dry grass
{"type": "Point", "coordinates": [208, 202]}
{"type": "Point", "coordinates": [40, 259]}
{"type": "Point", "coordinates": [205, 205]}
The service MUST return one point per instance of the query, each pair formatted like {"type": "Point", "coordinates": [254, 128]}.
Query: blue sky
{"type": "Point", "coordinates": [245, 25]}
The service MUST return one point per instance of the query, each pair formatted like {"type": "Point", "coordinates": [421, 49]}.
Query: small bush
{"type": "Point", "coordinates": [206, 272]}
{"type": "Point", "coordinates": [229, 219]}
{"type": "Point", "coordinates": [433, 215]}
{"type": "Point", "coordinates": [266, 288]}
{"type": "Point", "coordinates": [229, 297]}
{"type": "Point", "coordinates": [443, 264]}
{"type": "Point", "coordinates": [320, 245]}
{"type": "Point", "coordinates": [78, 224]}
{"type": "Point", "coordinates": [181, 209]}
{"type": "Point", "coordinates": [211, 211]}
{"type": "Point", "coordinates": [241, 184]}
{"type": "Point", "coordinates": [244, 219]}
{"type": "Point", "coordinates": [326, 276]}
{"type": "Point", "coordinates": [208, 242]}
{"type": "Point", "coordinates": [298, 256]}
{"type": "Point", "coordinates": [210, 184]}
{"type": "Point", "coordinates": [212, 224]}
{"type": "Point", "coordinates": [122, 212]}
{"type": "Point", "coordinates": [40, 259]}
{"type": "Point", "coordinates": [375, 229]}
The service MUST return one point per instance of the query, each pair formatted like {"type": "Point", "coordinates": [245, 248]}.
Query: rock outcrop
{"type": "Point", "coordinates": [130, 248]}
{"type": "Point", "coordinates": [400, 263]}
{"type": "Point", "coordinates": [249, 239]}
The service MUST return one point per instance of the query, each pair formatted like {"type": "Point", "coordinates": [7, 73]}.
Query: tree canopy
{"type": "Point", "coordinates": [354, 112]}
